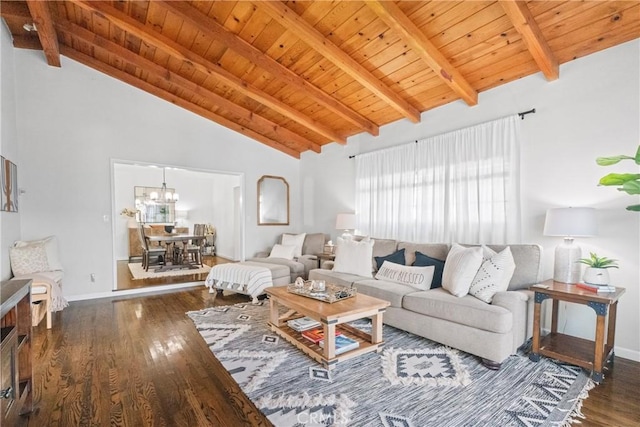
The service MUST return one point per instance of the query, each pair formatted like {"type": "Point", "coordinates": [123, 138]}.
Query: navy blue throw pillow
{"type": "Point", "coordinates": [423, 260]}
{"type": "Point", "coordinates": [396, 258]}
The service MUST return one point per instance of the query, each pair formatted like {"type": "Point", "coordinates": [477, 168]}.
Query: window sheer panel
{"type": "Point", "coordinates": [462, 186]}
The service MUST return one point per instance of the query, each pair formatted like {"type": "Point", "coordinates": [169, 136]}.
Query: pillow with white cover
{"type": "Point", "coordinates": [354, 257]}
{"type": "Point", "coordinates": [417, 277]}
{"type": "Point", "coordinates": [28, 259]}
{"type": "Point", "coordinates": [494, 274]}
{"type": "Point", "coordinates": [282, 251]}
{"type": "Point", "coordinates": [50, 244]}
{"type": "Point", "coordinates": [296, 240]}
{"type": "Point", "coordinates": [460, 269]}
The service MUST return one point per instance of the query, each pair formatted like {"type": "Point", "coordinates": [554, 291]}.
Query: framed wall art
{"type": "Point", "coordinates": [9, 193]}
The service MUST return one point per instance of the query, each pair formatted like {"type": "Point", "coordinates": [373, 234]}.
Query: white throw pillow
{"type": "Point", "coordinates": [28, 259]}
{"type": "Point", "coordinates": [354, 257]}
{"type": "Point", "coordinates": [282, 251]}
{"type": "Point", "coordinates": [494, 274]}
{"type": "Point", "coordinates": [460, 268]}
{"type": "Point", "coordinates": [417, 277]}
{"type": "Point", "coordinates": [296, 240]}
{"type": "Point", "coordinates": [51, 248]}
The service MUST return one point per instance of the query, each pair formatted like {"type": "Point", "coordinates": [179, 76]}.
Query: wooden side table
{"type": "Point", "coordinates": [592, 355]}
{"type": "Point", "coordinates": [324, 256]}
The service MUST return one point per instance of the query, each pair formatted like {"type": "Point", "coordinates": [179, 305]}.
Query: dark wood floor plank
{"type": "Point", "coordinates": [139, 361]}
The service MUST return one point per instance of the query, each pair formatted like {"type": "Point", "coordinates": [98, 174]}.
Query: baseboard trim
{"type": "Point", "coordinates": [150, 289]}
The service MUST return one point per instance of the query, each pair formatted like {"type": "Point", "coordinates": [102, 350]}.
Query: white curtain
{"type": "Point", "coordinates": [462, 186]}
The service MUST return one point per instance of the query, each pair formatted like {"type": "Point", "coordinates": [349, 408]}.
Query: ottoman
{"type": "Point", "coordinates": [248, 278]}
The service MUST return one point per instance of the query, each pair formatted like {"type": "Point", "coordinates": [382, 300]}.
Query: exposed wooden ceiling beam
{"type": "Point", "coordinates": [216, 31]}
{"type": "Point", "coordinates": [125, 22]}
{"type": "Point", "coordinates": [27, 42]}
{"type": "Point", "coordinates": [314, 39]}
{"type": "Point", "coordinates": [393, 16]}
{"type": "Point", "coordinates": [261, 124]}
{"type": "Point", "coordinates": [46, 33]}
{"type": "Point", "coordinates": [523, 21]}
{"type": "Point", "coordinates": [168, 96]}
{"type": "Point", "coordinates": [14, 9]}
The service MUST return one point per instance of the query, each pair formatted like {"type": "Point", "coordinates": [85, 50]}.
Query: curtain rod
{"type": "Point", "coordinates": [522, 114]}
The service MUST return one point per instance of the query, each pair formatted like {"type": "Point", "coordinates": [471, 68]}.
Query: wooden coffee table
{"type": "Point", "coordinates": [331, 316]}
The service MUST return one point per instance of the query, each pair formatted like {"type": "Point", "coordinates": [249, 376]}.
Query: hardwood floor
{"type": "Point", "coordinates": [125, 280]}
{"type": "Point", "coordinates": [139, 361]}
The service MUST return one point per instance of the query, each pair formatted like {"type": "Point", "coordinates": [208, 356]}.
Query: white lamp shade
{"type": "Point", "coordinates": [572, 222]}
{"type": "Point", "coordinates": [346, 221]}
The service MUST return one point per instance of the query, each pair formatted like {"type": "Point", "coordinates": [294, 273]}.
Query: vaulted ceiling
{"type": "Point", "coordinates": [297, 75]}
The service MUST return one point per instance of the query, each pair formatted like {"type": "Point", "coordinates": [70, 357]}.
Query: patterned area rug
{"type": "Point", "coordinates": [137, 272]}
{"type": "Point", "coordinates": [413, 382]}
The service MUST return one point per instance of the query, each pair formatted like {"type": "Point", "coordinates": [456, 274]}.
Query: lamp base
{"type": "Point", "coordinates": [566, 267]}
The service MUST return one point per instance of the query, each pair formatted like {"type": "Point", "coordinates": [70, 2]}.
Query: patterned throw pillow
{"type": "Point", "coordinates": [460, 268]}
{"type": "Point", "coordinates": [28, 259]}
{"type": "Point", "coordinates": [50, 244]}
{"type": "Point", "coordinates": [397, 258]}
{"type": "Point", "coordinates": [417, 277]}
{"type": "Point", "coordinates": [423, 260]}
{"type": "Point", "coordinates": [494, 274]}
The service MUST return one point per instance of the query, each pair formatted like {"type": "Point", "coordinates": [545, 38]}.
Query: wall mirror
{"type": "Point", "coordinates": [273, 200]}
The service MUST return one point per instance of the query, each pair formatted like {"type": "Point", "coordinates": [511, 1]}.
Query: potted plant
{"type": "Point", "coordinates": [596, 272]}
{"type": "Point", "coordinates": [627, 182]}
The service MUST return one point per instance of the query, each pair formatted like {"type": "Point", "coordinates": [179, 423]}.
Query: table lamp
{"type": "Point", "coordinates": [346, 222]}
{"type": "Point", "coordinates": [569, 223]}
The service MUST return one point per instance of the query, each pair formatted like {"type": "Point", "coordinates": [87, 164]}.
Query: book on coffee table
{"type": "Point", "coordinates": [315, 335]}
{"type": "Point", "coordinates": [343, 344]}
{"type": "Point", "coordinates": [303, 324]}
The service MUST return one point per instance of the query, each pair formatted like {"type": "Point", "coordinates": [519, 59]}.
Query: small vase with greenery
{"type": "Point", "coordinates": [627, 182]}
{"type": "Point", "coordinates": [596, 272]}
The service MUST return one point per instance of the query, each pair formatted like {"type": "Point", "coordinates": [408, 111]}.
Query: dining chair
{"type": "Point", "coordinates": [195, 248]}
{"type": "Point", "coordinates": [149, 252]}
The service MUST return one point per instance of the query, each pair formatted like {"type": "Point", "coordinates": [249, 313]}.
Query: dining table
{"type": "Point", "coordinates": [174, 261]}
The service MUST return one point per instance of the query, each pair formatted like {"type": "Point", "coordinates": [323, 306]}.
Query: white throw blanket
{"type": "Point", "coordinates": [247, 279]}
{"type": "Point", "coordinates": [58, 302]}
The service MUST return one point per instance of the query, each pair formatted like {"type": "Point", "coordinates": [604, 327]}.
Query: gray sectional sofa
{"type": "Point", "coordinates": [491, 331]}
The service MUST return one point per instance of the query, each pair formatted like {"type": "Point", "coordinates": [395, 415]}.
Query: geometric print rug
{"type": "Point", "coordinates": [412, 382]}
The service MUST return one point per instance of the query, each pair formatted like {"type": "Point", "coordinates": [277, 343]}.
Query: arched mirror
{"type": "Point", "coordinates": [273, 200]}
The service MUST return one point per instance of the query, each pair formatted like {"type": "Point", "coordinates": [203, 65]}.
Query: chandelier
{"type": "Point", "coordinates": [165, 195]}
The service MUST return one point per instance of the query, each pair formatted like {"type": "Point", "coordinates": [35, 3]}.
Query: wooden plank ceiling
{"type": "Point", "coordinates": [297, 75]}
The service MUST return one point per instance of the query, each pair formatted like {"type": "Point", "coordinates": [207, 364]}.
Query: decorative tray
{"type": "Point", "coordinates": [332, 293]}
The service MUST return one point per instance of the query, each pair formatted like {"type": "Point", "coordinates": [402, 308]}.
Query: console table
{"type": "Point", "coordinates": [592, 355]}
{"type": "Point", "coordinates": [15, 350]}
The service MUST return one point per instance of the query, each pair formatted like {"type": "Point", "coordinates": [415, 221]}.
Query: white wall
{"type": "Point", "coordinates": [72, 121]}
{"type": "Point", "coordinates": [9, 221]}
{"type": "Point", "coordinates": [592, 110]}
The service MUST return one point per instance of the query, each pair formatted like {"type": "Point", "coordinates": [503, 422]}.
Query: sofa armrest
{"type": "Point", "coordinates": [517, 302]}
{"type": "Point", "coordinates": [262, 254]}
{"type": "Point", "coordinates": [310, 262]}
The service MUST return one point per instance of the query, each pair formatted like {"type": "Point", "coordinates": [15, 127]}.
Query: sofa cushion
{"type": "Point", "coordinates": [313, 244]}
{"type": "Point", "coordinates": [423, 260]}
{"type": "Point", "coordinates": [385, 290]}
{"type": "Point", "coordinates": [354, 257]}
{"type": "Point", "coordinates": [334, 277]}
{"type": "Point", "coordinates": [416, 277]}
{"type": "Point", "coordinates": [433, 250]}
{"type": "Point", "coordinates": [296, 240]}
{"type": "Point", "coordinates": [460, 268]}
{"type": "Point", "coordinates": [494, 274]}
{"type": "Point", "coordinates": [397, 258]}
{"type": "Point", "coordinates": [467, 310]}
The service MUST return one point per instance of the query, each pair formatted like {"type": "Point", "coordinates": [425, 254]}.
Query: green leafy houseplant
{"type": "Point", "coordinates": [627, 182]}
{"type": "Point", "coordinates": [594, 261]}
